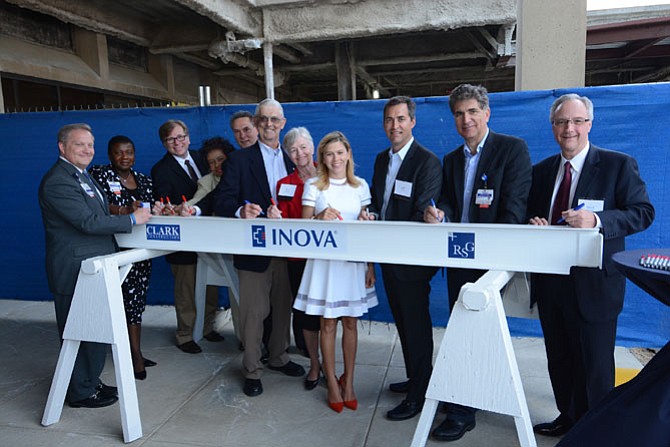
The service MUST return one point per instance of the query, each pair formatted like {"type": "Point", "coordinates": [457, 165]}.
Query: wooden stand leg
{"type": "Point", "coordinates": [60, 382]}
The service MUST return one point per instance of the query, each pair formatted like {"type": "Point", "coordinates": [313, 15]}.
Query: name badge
{"type": "Point", "coordinates": [403, 188]}
{"type": "Point", "coordinates": [287, 190]}
{"type": "Point", "coordinates": [87, 189]}
{"type": "Point", "coordinates": [484, 198]}
{"type": "Point", "coordinates": [592, 205]}
{"type": "Point", "coordinates": [115, 187]}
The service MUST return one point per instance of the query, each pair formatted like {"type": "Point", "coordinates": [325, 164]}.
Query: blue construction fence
{"type": "Point", "coordinates": [631, 119]}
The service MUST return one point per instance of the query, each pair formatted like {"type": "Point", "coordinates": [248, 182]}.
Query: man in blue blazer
{"type": "Point", "coordinates": [78, 226]}
{"type": "Point", "coordinates": [407, 176]}
{"type": "Point", "coordinates": [485, 180]}
{"type": "Point", "coordinates": [579, 312]}
{"type": "Point", "coordinates": [175, 176]}
{"type": "Point", "coordinates": [247, 188]}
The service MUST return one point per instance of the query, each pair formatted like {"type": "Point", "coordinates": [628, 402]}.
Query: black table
{"type": "Point", "coordinates": [636, 413]}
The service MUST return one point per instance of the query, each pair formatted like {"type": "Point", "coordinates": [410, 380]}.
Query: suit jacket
{"type": "Point", "coordinates": [614, 178]}
{"type": "Point", "coordinates": [421, 168]}
{"type": "Point", "coordinates": [171, 180]}
{"type": "Point", "coordinates": [244, 179]}
{"type": "Point", "coordinates": [76, 225]}
{"type": "Point", "coordinates": [506, 163]}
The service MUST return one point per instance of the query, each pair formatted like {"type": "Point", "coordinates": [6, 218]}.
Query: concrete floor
{"type": "Point", "coordinates": [196, 400]}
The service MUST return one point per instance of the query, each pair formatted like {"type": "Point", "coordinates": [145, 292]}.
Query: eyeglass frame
{"type": "Point", "coordinates": [173, 140]}
{"type": "Point", "coordinates": [561, 122]}
{"type": "Point", "coordinates": [269, 119]}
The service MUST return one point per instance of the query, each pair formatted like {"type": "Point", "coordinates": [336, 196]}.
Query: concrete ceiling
{"type": "Point", "coordinates": [413, 47]}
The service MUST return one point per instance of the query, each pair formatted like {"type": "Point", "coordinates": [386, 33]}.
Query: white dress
{"type": "Point", "coordinates": [335, 289]}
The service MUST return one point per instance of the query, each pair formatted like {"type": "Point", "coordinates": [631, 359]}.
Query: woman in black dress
{"type": "Point", "coordinates": [126, 190]}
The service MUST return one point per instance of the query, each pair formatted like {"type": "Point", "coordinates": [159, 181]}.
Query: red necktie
{"type": "Point", "coordinates": [562, 201]}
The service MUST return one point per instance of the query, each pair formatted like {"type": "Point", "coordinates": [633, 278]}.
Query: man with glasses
{"type": "Point", "coordinates": [175, 176]}
{"type": "Point", "coordinates": [583, 187]}
{"type": "Point", "coordinates": [485, 180]}
{"type": "Point", "coordinates": [248, 190]}
{"type": "Point", "coordinates": [244, 130]}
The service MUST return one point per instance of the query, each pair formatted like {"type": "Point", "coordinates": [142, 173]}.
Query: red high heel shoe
{"type": "Point", "coordinates": [336, 406]}
{"type": "Point", "coordinates": [350, 404]}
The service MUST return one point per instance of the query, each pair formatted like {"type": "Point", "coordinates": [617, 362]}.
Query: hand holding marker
{"type": "Point", "coordinates": [577, 208]}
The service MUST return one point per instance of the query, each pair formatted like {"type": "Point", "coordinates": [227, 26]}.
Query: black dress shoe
{"type": "Point", "coordinates": [555, 428]}
{"type": "Point", "coordinates": [450, 430]}
{"type": "Point", "coordinates": [406, 410]}
{"type": "Point", "coordinates": [399, 387]}
{"type": "Point", "coordinates": [149, 363]}
{"type": "Point", "coordinates": [311, 384]}
{"type": "Point", "coordinates": [190, 347]}
{"type": "Point", "coordinates": [252, 387]}
{"type": "Point", "coordinates": [214, 336]}
{"type": "Point", "coordinates": [95, 401]}
{"type": "Point", "coordinates": [290, 369]}
{"type": "Point", "coordinates": [107, 390]}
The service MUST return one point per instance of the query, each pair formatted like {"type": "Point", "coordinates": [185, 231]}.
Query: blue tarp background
{"type": "Point", "coordinates": [632, 119]}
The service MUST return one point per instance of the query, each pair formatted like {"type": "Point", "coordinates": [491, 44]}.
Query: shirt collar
{"type": "Point", "coordinates": [402, 153]}
{"type": "Point", "coordinates": [480, 146]}
{"type": "Point", "coordinates": [268, 149]}
{"type": "Point", "coordinates": [577, 162]}
{"type": "Point", "coordinates": [81, 171]}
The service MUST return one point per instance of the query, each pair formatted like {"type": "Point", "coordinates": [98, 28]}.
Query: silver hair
{"type": "Point", "coordinates": [268, 102]}
{"type": "Point", "coordinates": [64, 132]}
{"type": "Point", "coordinates": [571, 97]}
{"type": "Point", "coordinates": [294, 134]}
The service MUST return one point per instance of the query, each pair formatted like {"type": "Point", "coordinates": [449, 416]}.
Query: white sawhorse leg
{"type": "Point", "coordinates": [475, 365]}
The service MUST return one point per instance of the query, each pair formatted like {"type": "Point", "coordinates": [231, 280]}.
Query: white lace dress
{"type": "Point", "coordinates": [335, 289]}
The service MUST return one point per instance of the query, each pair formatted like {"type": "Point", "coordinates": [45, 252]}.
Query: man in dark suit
{"type": "Point", "coordinates": [246, 190]}
{"type": "Point", "coordinates": [175, 176]}
{"type": "Point", "coordinates": [579, 312]}
{"type": "Point", "coordinates": [77, 226]}
{"type": "Point", "coordinates": [486, 180]}
{"type": "Point", "coordinates": [406, 177]}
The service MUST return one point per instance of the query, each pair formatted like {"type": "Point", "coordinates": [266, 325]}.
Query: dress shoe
{"type": "Point", "coordinates": [555, 428]}
{"type": "Point", "coordinates": [311, 384]}
{"type": "Point", "coordinates": [95, 401]}
{"type": "Point", "coordinates": [252, 387]}
{"type": "Point", "coordinates": [290, 369]}
{"type": "Point", "coordinates": [399, 387]}
{"type": "Point", "coordinates": [450, 430]}
{"type": "Point", "coordinates": [140, 375]}
{"type": "Point", "coordinates": [190, 347]}
{"type": "Point", "coordinates": [351, 404]}
{"type": "Point", "coordinates": [107, 390]}
{"type": "Point", "coordinates": [406, 410]}
{"type": "Point", "coordinates": [214, 336]}
{"type": "Point", "coordinates": [149, 363]}
{"type": "Point", "coordinates": [336, 406]}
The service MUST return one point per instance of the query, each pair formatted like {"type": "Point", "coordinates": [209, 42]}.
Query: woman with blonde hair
{"type": "Point", "coordinates": [336, 289]}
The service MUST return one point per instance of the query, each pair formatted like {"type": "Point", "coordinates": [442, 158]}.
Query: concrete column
{"type": "Point", "coordinates": [346, 71]}
{"type": "Point", "coordinates": [269, 71]}
{"type": "Point", "coordinates": [160, 67]}
{"type": "Point", "coordinates": [550, 44]}
{"type": "Point", "coordinates": [92, 49]}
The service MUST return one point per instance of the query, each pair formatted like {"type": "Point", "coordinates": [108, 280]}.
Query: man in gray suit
{"type": "Point", "coordinates": [77, 226]}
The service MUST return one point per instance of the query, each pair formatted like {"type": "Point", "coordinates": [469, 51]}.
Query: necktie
{"type": "Point", "coordinates": [191, 171]}
{"type": "Point", "coordinates": [562, 201]}
{"type": "Point", "coordinates": [91, 183]}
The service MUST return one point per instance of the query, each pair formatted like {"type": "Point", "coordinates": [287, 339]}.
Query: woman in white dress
{"type": "Point", "coordinates": [336, 289]}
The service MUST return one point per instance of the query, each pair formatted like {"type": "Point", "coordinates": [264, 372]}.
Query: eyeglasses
{"type": "Point", "coordinates": [576, 121]}
{"type": "Point", "coordinates": [271, 119]}
{"type": "Point", "coordinates": [180, 138]}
